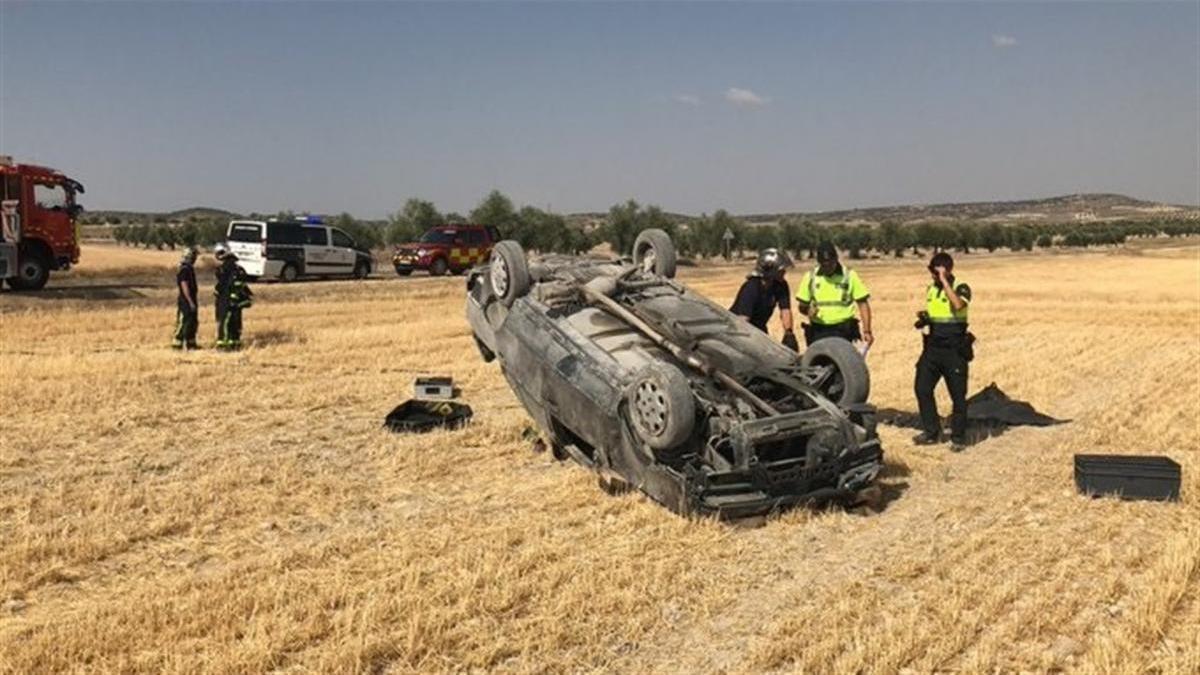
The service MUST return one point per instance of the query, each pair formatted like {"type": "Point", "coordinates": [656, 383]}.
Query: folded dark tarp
{"type": "Point", "coordinates": [992, 405]}
{"type": "Point", "coordinates": [419, 415]}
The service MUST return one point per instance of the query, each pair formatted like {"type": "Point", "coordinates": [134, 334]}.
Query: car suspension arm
{"type": "Point", "coordinates": [693, 360]}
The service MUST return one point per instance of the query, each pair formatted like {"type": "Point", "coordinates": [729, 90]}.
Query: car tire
{"type": "Point", "coordinates": [289, 273]}
{"type": "Point", "coordinates": [403, 271]}
{"type": "Point", "coordinates": [361, 270]}
{"type": "Point", "coordinates": [846, 379]}
{"type": "Point", "coordinates": [654, 251]}
{"type": "Point", "coordinates": [508, 272]}
{"type": "Point", "coordinates": [33, 270]}
{"type": "Point", "coordinates": [661, 407]}
{"type": "Point", "coordinates": [438, 268]}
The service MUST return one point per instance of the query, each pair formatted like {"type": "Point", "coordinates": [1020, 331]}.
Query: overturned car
{"type": "Point", "coordinates": [653, 386]}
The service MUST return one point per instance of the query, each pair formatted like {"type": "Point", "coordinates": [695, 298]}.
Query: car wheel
{"type": "Point", "coordinates": [438, 268]}
{"type": "Point", "coordinates": [662, 407]}
{"type": "Point", "coordinates": [404, 271]}
{"type": "Point", "coordinates": [838, 371]}
{"type": "Point", "coordinates": [361, 270]}
{"type": "Point", "coordinates": [32, 272]}
{"type": "Point", "coordinates": [509, 272]}
{"type": "Point", "coordinates": [654, 251]}
{"type": "Point", "coordinates": [289, 273]}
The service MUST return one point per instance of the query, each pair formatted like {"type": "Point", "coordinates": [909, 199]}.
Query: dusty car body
{"type": "Point", "coordinates": [650, 384]}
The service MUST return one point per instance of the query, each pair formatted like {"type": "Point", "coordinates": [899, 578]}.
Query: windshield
{"type": "Point", "coordinates": [438, 237]}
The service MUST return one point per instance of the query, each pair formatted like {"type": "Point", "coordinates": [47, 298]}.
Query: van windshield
{"type": "Point", "coordinates": [251, 232]}
{"type": "Point", "coordinates": [438, 237]}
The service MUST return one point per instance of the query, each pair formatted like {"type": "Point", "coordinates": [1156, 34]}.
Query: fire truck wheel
{"type": "Point", "coordinates": [289, 273]}
{"type": "Point", "coordinates": [32, 272]}
{"type": "Point", "coordinates": [438, 268]}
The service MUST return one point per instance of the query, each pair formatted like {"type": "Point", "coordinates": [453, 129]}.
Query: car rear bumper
{"type": "Point", "coordinates": [260, 267]}
{"type": "Point", "coordinates": [735, 495]}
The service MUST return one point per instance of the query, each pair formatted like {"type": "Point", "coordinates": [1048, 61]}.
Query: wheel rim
{"type": "Point", "coordinates": [648, 259]}
{"type": "Point", "coordinates": [499, 276]}
{"type": "Point", "coordinates": [830, 380]}
{"type": "Point", "coordinates": [30, 271]}
{"type": "Point", "coordinates": [650, 404]}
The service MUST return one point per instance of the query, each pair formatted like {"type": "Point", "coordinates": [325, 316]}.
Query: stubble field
{"type": "Point", "coordinates": [208, 512]}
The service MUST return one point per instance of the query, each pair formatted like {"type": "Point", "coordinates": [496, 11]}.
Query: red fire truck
{"type": "Point", "coordinates": [37, 229]}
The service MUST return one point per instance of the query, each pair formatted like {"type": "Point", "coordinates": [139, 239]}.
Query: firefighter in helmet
{"type": "Point", "coordinates": [187, 318]}
{"type": "Point", "coordinates": [765, 289]}
{"type": "Point", "coordinates": [829, 295]}
{"type": "Point", "coordinates": [947, 349]}
{"type": "Point", "coordinates": [232, 296]}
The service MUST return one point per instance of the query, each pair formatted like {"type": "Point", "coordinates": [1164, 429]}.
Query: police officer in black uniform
{"type": "Point", "coordinates": [187, 318]}
{"type": "Point", "coordinates": [763, 291]}
{"type": "Point", "coordinates": [232, 296]}
{"type": "Point", "coordinates": [948, 348]}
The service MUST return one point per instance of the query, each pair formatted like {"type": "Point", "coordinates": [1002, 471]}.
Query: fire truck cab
{"type": "Point", "coordinates": [38, 229]}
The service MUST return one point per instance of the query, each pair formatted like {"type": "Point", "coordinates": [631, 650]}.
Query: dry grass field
{"type": "Point", "coordinates": [208, 512]}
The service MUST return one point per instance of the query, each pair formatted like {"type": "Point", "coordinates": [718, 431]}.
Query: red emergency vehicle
{"type": "Point", "coordinates": [38, 230]}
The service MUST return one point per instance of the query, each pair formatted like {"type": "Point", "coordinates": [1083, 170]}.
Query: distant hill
{"type": "Point", "coordinates": [1065, 208]}
{"type": "Point", "coordinates": [179, 216]}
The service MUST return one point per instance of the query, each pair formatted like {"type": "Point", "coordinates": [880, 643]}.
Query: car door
{"type": "Point", "coordinates": [343, 251]}
{"type": "Point", "coordinates": [477, 250]}
{"type": "Point", "coordinates": [316, 250]}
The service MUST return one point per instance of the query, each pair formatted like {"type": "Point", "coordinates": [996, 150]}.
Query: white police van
{"type": "Point", "coordinates": [290, 249]}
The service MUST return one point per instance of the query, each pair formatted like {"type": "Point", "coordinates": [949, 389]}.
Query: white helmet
{"type": "Point", "coordinates": [220, 251]}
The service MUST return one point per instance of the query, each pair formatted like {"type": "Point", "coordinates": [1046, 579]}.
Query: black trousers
{"type": "Point", "coordinates": [229, 324]}
{"type": "Point", "coordinates": [847, 330]}
{"type": "Point", "coordinates": [941, 362]}
{"type": "Point", "coordinates": [187, 321]}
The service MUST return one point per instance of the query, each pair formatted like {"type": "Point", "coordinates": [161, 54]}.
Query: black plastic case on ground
{"type": "Point", "coordinates": [1128, 476]}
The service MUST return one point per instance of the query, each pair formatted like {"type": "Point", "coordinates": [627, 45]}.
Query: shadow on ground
{"type": "Point", "coordinates": [129, 291]}
{"type": "Point", "coordinates": [977, 431]}
{"type": "Point", "coordinates": [270, 338]}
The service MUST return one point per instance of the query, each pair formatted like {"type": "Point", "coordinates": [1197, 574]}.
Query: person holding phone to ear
{"type": "Point", "coordinates": [947, 351]}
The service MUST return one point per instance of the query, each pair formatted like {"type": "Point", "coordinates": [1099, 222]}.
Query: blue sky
{"type": "Point", "coordinates": [355, 107]}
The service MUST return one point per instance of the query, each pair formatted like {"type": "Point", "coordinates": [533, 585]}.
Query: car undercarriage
{"type": "Point", "coordinates": [649, 384]}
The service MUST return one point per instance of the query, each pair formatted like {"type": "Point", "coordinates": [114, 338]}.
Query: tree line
{"type": "Point", "coordinates": [702, 237]}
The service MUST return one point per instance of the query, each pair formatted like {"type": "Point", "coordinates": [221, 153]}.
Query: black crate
{"type": "Point", "coordinates": [1128, 476]}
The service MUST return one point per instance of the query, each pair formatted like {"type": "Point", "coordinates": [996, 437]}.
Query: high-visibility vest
{"type": "Point", "coordinates": [937, 304]}
{"type": "Point", "coordinates": [833, 297]}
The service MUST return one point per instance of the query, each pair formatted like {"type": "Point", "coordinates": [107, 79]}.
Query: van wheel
{"type": "Point", "coordinates": [438, 268]}
{"type": "Point", "coordinates": [361, 270]}
{"type": "Point", "coordinates": [289, 273]}
{"type": "Point", "coordinates": [32, 271]}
